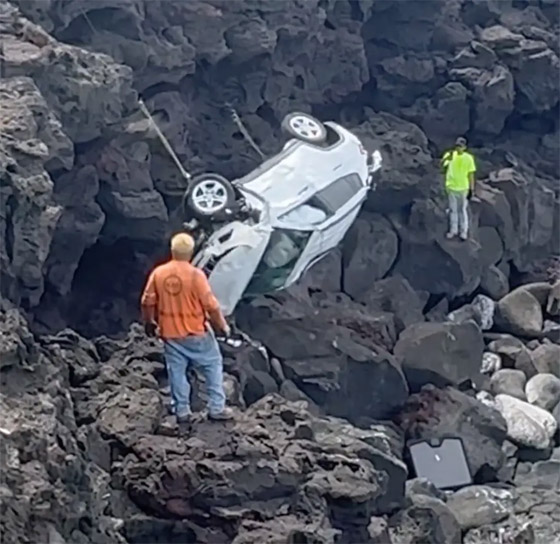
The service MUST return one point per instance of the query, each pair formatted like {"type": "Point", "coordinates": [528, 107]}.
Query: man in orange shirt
{"type": "Point", "coordinates": [178, 300]}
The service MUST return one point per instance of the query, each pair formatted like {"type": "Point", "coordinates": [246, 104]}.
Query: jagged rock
{"type": "Point", "coordinates": [493, 95]}
{"type": "Point", "coordinates": [32, 138]}
{"type": "Point", "coordinates": [45, 469]}
{"type": "Point", "coordinates": [78, 227]}
{"type": "Point", "coordinates": [543, 390]}
{"type": "Point", "coordinates": [436, 413]}
{"type": "Point", "coordinates": [17, 346]}
{"type": "Point", "coordinates": [79, 354]}
{"type": "Point", "coordinates": [509, 382]}
{"type": "Point", "coordinates": [403, 144]}
{"type": "Point", "coordinates": [370, 249]}
{"type": "Point", "coordinates": [514, 531]}
{"type": "Point", "coordinates": [337, 481]}
{"type": "Point", "coordinates": [479, 505]}
{"type": "Point", "coordinates": [425, 519]}
{"type": "Point", "coordinates": [444, 115]}
{"type": "Point", "coordinates": [527, 425]}
{"type": "Point", "coordinates": [480, 310]}
{"type": "Point", "coordinates": [129, 414]}
{"type": "Point", "coordinates": [546, 359]}
{"type": "Point", "coordinates": [440, 353]}
{"type": "Point", "coordinates": [519, 312]}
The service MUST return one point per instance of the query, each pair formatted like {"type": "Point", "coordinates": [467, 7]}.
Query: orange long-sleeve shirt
{"type": "Point", "coordinates": [179, 298]}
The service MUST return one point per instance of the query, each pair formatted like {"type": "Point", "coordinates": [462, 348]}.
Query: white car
{"type": "Point", "coordinates": [260, 233]}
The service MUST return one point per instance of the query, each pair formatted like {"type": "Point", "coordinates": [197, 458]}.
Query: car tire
{"type": "Point", "coordinates": [305, 127]}
{"type": "Point", "coordinates": [209, 195]}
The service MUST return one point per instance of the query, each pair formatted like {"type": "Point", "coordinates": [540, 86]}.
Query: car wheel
{"type": "Point", "coordinates": [304, 127]}
{"type": "Point", "coordinates": [208, 195]}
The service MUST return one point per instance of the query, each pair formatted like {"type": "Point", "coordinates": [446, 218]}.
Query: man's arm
{"type": "Point", "coordinates": [149, 303]}
{"type": "Point", "coordinates": [472, 179]}
{"type": "Point", "coordinates": [210, 303]}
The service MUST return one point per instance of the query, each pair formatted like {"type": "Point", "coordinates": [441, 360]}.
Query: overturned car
{"type": "Point", "coordinates": [260, 233]}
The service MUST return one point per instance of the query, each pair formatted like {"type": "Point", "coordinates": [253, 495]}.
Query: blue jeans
{"type": "Point", "coordinates": [458, 213]}
{"type": "Point", "coordinates": [204, 354]}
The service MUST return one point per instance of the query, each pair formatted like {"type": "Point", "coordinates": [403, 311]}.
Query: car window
{"type": "Point", "coordinates": [338, 193]}
{"type": "Point", "coordinates": [281, 255]}
{"type": "Point", "coordinates": [328, 200]}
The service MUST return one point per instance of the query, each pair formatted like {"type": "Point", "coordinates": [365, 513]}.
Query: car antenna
{"type": "Point", "coordinates": [148, 115]}
{"type": "Point", "coordinates": [237, 120]}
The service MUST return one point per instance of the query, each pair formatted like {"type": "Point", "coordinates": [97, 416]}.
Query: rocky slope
{"type": "Point", "coordinates": [362, 355]}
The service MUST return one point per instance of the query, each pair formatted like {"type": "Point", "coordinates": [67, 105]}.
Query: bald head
{"type": "Point", "coordinates": [182, 246]}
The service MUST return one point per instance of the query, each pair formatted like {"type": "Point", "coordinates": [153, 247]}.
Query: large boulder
{"type": "Point", "coordinates": [440, 353]}
{"type": "Point", "coordinates": [395, 295]}
{"type": "Point", "coordinates": [543, 390]}
{"type": "Point", "coordinates": [437, 413]}
{"type": "Point", "coordinates": [333, 366]}
{"type": "Point", "coordinates": [519, 312]}
{"type": "Point", "coordinates": [370, 249]}
{"type": "Point", "coordinates": [527, 425]}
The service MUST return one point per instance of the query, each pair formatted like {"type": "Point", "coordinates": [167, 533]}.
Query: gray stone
{"type": "Point", "coordinates": [509, 382]}
{"type": "Point", "coordinates": [494, 283]}
{"type": "Point", "coordinates": [426, 519]}
{"type": "Point", "coordinates": [543, 390]}
{"type": "Point", "coordinates": [527, 425]}
{"type": "Point", "coordinates": [546, 359]}
{"type": "Point", "coordinates": [479, 505]}
{"type": "Point", "coordinates": [520, 313]}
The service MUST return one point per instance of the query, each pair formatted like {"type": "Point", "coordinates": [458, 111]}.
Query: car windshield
{"type": "Point", "coordinates": [284, 249]}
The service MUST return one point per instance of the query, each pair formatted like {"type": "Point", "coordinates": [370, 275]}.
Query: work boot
{"type": "Point", "coordinates": [225, 415]}
{"type": "Point", "coordinates": [464, 237]}
{"type": "Point", "coordinates": [450, 236]}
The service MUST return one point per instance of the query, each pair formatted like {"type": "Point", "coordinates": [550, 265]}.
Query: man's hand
{"type": "Point", "coordinates": [470, 194]}
{"type": "Point", "coordinates": [151, 328]}
{"type": "Point", "coordinates": [226, 331]}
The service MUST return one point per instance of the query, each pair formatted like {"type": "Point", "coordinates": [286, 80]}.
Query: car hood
{"type": "Point", "coordinates": [237, 260]}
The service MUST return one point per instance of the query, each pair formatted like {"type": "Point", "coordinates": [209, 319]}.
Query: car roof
{"type": "Point", "coordinates": [298, 171]}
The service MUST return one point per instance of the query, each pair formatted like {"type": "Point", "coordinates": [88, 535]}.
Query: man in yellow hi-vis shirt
{"type": "Point", "coordinates": [459, 168]}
